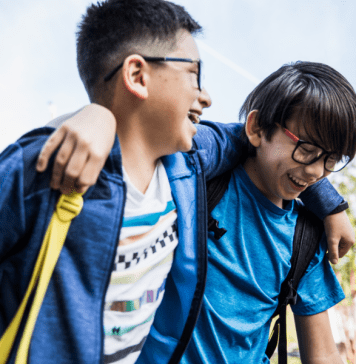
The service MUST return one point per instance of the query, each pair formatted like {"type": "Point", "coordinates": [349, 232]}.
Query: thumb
{"type": "Point", "coordinates": [333, 249]}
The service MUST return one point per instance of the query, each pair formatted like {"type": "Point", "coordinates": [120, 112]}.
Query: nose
{"type": "Point", "coordinates": [204, 99]}
{"type": "Point", "coordinates": [316, 169]}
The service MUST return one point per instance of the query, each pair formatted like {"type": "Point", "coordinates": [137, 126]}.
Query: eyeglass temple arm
{"type": "Point", "coordinates": [291, 135]}
{"type": "Point", "coordinates": [110, 75]}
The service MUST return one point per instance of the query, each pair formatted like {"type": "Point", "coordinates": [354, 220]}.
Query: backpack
{"type": "Point", "coordinates": [307, 235]}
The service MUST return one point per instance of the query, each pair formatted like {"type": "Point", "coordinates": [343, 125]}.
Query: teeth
{"type": "Point", "coordinates": [298, 181]}
{"type": "Point", "coordinates": [194, 117]}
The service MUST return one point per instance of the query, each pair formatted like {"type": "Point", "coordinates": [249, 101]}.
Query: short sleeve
{"type": "Point", "coordinates": [319, 288]}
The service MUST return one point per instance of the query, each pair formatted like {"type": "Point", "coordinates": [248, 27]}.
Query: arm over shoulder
{"type": "Point", "coordinates": [219, 146]}
{"type": "Point", "coordinates": [222, 148]}
{"type": "Point", "coordinates": [321, 198]}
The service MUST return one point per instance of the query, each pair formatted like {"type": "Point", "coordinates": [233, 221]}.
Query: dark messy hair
{"type": "Point", "coordinates": [316, 96]}
{"type": "Point", "coordinates": [110, 28]}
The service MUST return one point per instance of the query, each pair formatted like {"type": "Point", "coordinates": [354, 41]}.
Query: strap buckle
{"type": "Point", "coordinates": [214, 227]}
{"type": "Point", "coordinates": [69, 206]}
{"type": "Point", "coordinates": [292, 294]}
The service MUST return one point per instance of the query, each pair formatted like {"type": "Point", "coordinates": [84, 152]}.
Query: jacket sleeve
{"type": "Point", "coordinates": [218, 146]}
{"type": "Point", "coordinates": [321, 198]}
{"type": "Point", "coordinates": [12, 211]}
{"type": "Point", "coordinates": [220, 150]}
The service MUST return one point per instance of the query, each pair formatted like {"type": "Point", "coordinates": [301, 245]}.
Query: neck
{"type": "Point", "coordinates": [256, 174]}
{"type": "Point", "coordinates": [138, 157]}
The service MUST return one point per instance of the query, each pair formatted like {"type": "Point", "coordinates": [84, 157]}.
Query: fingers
{"type": "Point", "coordinates": [340, 235]}
{"type": "Point", "coordinates": [77, 165]}
{"type": "Point", "coordinates": [337, 249]}
{"type": "Point", "coordinates": [52, 143]}
{"type": "Point", "coordinates": [72, 170]}
{"type": "Point", "coordinates": [344, 247]}
{"type": "Point", "coordinates": [60, 164]}
{"type": "Point", "coordinates": [90, 173]}
{"type": "Point", "coordinates": [81, 171]}
{"type": "Point", "coordinates": [85, 141]}
{"type": "Point", "coordinates": [333, 250]}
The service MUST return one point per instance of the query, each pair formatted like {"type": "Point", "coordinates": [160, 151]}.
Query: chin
{"type": "Point", "coordinates": [291, 196]}
{"type": "Point", "coordinates": [187, 147]}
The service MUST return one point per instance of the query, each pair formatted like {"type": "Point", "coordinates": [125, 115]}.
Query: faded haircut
{"type": "Point", "coordinates": [313, 94]}
{"type": "Point", "coordinates": [111, 29]}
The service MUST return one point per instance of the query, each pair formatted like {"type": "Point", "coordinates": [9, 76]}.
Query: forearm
{"type": "Point", "coordinates": [86, 114]}
{"type": "Point", "coordinates": [316, 342]}
{"type": "Point", "coordinates": [333, 358]}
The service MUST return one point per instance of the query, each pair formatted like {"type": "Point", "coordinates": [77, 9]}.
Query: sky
{"type": "Point", "coordinates": [243, 42]}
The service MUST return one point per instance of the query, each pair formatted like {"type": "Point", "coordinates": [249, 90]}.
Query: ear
{"type": "Point", "coordinates": [135, 76]}
{"type": "Point", "coordinates": [253, 131]}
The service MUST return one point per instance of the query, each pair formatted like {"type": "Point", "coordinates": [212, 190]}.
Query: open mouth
{"type": "Point", "coordinates": [193, 117]}
{"type": "Point", "coordinates": [297, 182]}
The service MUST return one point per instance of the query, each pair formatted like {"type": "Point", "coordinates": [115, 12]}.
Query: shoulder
{"type": "Point", "coordinates": [19, 159]}
{"type": "Point", "coordinates": [209, 132]}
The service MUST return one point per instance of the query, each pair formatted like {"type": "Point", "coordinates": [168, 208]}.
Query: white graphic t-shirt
{"type": "Point", "coordinates": [144, 258]}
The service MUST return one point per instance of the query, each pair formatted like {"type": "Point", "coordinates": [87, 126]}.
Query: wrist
{"type": "Point", "coordinates": [342, 207]}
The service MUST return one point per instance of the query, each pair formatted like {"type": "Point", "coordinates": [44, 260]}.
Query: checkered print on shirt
{"type": "Point", "coordinates": [133, 259]}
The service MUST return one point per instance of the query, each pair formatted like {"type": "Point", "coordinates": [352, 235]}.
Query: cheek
{"type": "Point", "coordinates": [272, 157]}
{"type": "Point", "coordinates": [279, 153]}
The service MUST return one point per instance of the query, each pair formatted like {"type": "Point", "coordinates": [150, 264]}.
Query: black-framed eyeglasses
{"type": "Point", "coordinates": [308, 153]}
{"type": "Point", "coordinates": [110, 75]}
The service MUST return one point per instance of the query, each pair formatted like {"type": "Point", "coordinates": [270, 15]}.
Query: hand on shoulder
{"type": "Point", "coordinates": [84, 141]}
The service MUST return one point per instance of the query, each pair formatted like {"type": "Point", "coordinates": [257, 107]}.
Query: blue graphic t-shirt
{"type": "Point", "coordinates": [246, 268]}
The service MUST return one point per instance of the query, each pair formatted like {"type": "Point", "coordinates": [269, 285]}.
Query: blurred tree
{"type": "Point", "coordinates": [345, 182]}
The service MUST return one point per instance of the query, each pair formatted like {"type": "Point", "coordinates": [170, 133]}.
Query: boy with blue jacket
{"type": "Point", "coordinates": [150, 85]}
{"type": "Point", "coordinates": [137, 58]}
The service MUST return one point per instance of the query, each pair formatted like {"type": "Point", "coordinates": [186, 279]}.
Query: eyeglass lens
{"type": "Point", "coordinates": [308, 153]}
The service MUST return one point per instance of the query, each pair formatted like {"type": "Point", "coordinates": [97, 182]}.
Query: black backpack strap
{"type": "Point", "coordinates": [307, 235]}
{"type": "Point", "coordinates": [216, 188]}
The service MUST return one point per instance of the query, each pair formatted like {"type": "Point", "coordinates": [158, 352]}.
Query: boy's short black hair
{"type": "Point", "coordinates": [110, 30]}
{"type": "Point", "coordinates": [313, 93]}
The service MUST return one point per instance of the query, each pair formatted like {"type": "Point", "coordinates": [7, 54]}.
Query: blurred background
{"type": "Point", "coordinates": [243, 42]}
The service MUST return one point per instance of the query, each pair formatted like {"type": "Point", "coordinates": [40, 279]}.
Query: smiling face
{"type": "Point", "coordinates": [172, 105]}
{"type": "Point", "coordinates": [273, 170]}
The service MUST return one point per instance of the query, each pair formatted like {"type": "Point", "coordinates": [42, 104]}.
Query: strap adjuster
{"type": "Point", "coordinates": [69, 206]}
{"type": "Point", "coordinates": [213, 226]}
{"type": "Point", "coordinates": [292, 294]}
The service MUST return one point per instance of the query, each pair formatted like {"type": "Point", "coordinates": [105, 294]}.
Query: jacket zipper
{"type": "Point", "coordinates": [202, 218]}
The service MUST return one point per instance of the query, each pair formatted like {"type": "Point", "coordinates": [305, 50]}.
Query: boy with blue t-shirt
{"type": "Point", "coordinates": [300, 127]}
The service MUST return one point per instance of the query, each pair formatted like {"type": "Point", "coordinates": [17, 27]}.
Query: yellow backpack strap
{"type": "Point", "coordinates": [68, 207]}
